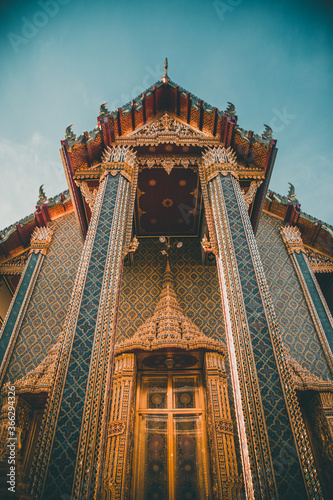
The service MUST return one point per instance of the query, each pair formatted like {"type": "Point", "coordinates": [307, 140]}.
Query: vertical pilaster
{"type": "Point", "coordinates": [227, 482]}
{"type": "Point", "coordinates": [69, 447]}
{"type": "Point", "coordinates": [40, 241]}
{"type": "Point", "coordinates": [117, 472]}
{"type": "Point", "coordinates": [315, 300]}
{"type": "Point", "coordinates": [276, 455]}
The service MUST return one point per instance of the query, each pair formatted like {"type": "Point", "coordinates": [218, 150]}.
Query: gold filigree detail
{"type": "Point", "coordinates": [206, 245]}
{"type": "Point", "coordinates": [219, 160]}
{"type": "Point", "coordinates": [227, 482]}
{"type": "Point", "coordinates": [14, 266]}
{"type": "Point", "coordinates": [319, 263]}
{"type": "Point", "coordinates": [292, 238]}
{"type": "Point", "coordinates": [168, 327]}
{"type": "Point", "coordinates": [117, 159]}
{"type": "Point", "coordinates": [251, 192]}
{"type": "Point", "coordinates": [41, 240]}
{"type": "Point", "coordinates": [167, 163]}
{"type": "Point", "coordinates": [168, 130]}
{"type": "Point", "coordinates": [167, 202]}
{"type": "Point", "coordinates": [225, 426]}
{"type": "Point", "coordinates": [304, 380]}
{"type": "Point", "coordinates": [39, 379]}
{"type": "Point", "coordinates": [116, 428]}
{"type": "Point", "coordinates": [118, 452]}
{"type": "Point", "coordinates": [88, 192]}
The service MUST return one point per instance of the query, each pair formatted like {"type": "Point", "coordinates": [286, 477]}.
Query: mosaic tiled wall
{"type": "Point", "coordinates": [298, 332]}
{"type": "Point", "coordinates": [65, 446]}
{"type": "Point", "coordinates": [48, 305]}
{"type": "Point", "coordinates": [6, 335]}
{"type": "Point", "coordinates": [196, 286]}
{"type": "Point", "coordinates": [324, 319]}
{"type": "Point", "coordinates": [289, 479]}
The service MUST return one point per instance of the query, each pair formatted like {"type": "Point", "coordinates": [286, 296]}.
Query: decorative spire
{"type": "Point", "coordinates": [267, 134]}
{"type": "Point", "coordinates": [168, 326]}
{"type": "Point", "coordinates": [165, 78]}
{"type": "Point", "coordinates": [69, 134]}
{"type": "Point", "coordinates": [103, 110]}
{"type": "Point", "coordinates": [292, 194]}
{"type": "Point", "coordinates": [41, 196]}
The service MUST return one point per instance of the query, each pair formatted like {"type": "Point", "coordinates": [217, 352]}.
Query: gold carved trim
{"type": "Point", "coordinates": [14, 266]}
{"type": "Point", "coordinates": [319, 263]}
{"type": "Point", "coordinates": [88, 192]}
{"type": "Point", "coordinates": [227, 483]}
{"type": "Point", "coordinates": [168, 163]}
{"type": "Point", "coordinates": [208, 208]}
{"type": "Point", "coordinates": [114, 159]}
{"type": "Point", "coordinates": [118, 451]}
{"type": "Point", "coordinates": [206, 245]}
{"type": "Point", "coordinates": [224, 161]}
{"type": "Point", "coordinates": [116, 428]}
{"type": "Point", "coordinates": [304, 380]}
{"type": "Point", "coordinates": [167, 130]}
{"type": "Point", "coordinates": [38, 379]}
{"type": "Point", "coordinates": [219, 160]}
{"type": "Point", "coordinates": [225, 426]}
{"type": "Point", "coordinates": [292, 238]}
{"type": "Point", "coordinates": [251, 192]}
{"type": "Point", "coordinates": [40, 240]}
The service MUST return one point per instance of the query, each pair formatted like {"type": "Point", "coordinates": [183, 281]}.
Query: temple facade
{"type": "Point", "coordinates": [166, 321]}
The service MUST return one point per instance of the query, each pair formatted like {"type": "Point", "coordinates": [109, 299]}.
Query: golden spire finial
{"type": "Point", "coordinates": [165, 78]}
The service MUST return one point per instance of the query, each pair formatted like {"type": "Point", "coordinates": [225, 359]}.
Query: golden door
{"type": "Point", "coordinates": [171, 458]}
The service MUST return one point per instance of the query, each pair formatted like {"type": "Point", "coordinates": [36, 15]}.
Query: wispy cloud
{"type": "Point", "coordinates": [23, 167]}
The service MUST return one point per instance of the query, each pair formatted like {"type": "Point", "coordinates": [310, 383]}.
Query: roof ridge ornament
{"type": "Point", "coordinates": [165, 78]}
{"type": "Point", "coordinates": [41, 196]}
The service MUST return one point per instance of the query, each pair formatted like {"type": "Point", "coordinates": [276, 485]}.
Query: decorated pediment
{"type": "Point", "coordinates": [168, 130]}
{"type": "Point", "coordinates": [320, 263]}
{"type": "Point", "coordinates": [168, 327]}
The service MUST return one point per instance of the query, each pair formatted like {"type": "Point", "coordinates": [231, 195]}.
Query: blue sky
{"type": "Point", "coordinates": [60, 59]}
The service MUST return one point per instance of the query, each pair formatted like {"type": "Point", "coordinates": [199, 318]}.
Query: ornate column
{"type": "Point", "coordinates": [276, 455]}
{"type": "Point", "coordinates": [227, 482]}
{"type": "Point", "coordinates": [117, 472]}
{"type": "Point", "coordinates": [70, 445]}
{"type": "Point", "coordinates": [40, 242]}
{"type": "Point", "coordinates": [316, 302]}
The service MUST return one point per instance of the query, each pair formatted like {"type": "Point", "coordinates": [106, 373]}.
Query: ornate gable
{"type": "Point", "coordinates": [168, 130]}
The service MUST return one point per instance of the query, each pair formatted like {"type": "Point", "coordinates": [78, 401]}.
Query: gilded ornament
{"type": "Point", "coordinates": [88, 192]}
{"type": "Point", "coordinates": [292, 238]}
{"type": "Point", "coordinates": [251, 192]}
{"type": "Point", "coordinates": [168, 130]}
{"type": "Point", "coordinates": [40, 240]}
{"type": "Point", "coordinates": [219, 160]}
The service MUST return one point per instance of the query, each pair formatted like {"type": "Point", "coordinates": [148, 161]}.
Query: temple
{"type": "Point", "coordinates": [166, 327]}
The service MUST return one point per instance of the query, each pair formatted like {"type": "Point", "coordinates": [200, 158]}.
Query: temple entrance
{"type": "Point", "coordinates": [171, 456]}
